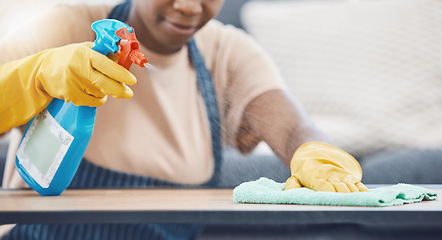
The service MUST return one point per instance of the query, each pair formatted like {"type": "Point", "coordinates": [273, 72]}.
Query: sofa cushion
{"type": "Point", "coordinates": [411, 166]}
{"type": "Point", "coordinates": [238, 168]}
{"type": "Point", "coordinates": [369, 73]}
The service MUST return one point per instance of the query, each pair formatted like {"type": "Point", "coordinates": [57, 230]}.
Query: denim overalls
{"type": "Point", "coordinates": [90, 175]}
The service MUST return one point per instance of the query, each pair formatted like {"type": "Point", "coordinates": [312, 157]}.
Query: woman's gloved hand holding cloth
{"type": "Point", "coordinates": [322, 167]}
{"type": "Point", "coordinates": [74, 73]}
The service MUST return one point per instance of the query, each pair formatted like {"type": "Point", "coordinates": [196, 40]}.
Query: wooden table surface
{"type": "Point", "coordinates": [214, 206]}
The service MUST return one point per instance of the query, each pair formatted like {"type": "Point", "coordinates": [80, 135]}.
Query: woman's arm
{"type": "Point", "coordinates": [279, 120]}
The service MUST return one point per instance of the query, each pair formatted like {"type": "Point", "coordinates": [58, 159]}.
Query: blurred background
{"type": "Point", "coordinates": [16, 12]}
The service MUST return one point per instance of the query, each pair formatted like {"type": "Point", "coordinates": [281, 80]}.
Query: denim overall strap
{"type": "Point", "coordinates": [121, 11]}
{"type": "Point", "coordinates": [207, 90]}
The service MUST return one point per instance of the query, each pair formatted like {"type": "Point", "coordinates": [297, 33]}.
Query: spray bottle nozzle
{"type": "Point", "coordinates": [117, 37]}
{"type": "Point", "coordinates": [138, 58]}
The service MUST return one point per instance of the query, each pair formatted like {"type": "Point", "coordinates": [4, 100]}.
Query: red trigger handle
{"type": "Point", "coordinates": [129, 49]}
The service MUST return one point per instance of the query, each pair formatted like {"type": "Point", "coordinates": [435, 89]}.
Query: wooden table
{"type": "Point", "coordinates": [211, 206]}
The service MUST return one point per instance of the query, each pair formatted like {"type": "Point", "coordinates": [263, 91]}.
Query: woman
{"type": "Point", "coordinates": [213, 86]}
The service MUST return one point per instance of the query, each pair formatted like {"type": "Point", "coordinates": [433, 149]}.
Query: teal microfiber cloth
{"type": "Point", "coordinates": [265, 190]}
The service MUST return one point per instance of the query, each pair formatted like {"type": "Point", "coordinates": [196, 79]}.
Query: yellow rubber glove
{"type": "Point", "coordinates": [322, 167]}
{"type": "Point", "coordinates": [74, 73]}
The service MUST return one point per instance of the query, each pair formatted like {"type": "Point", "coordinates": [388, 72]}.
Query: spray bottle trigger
{"type": "Point", "coordinates": [129, 49]}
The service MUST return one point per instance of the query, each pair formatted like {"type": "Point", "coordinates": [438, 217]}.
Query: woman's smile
{"type": "Point", "coordinates": [180, 28]}
{"type": "Point", "coordinates": [165, 26]}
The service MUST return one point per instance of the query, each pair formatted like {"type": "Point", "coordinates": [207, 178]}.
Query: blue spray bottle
{"type": "Point", "coordinates": [56, 139]}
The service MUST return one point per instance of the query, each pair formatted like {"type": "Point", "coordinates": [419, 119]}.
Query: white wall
{"type": "Point", "coordinates": [16, 12]}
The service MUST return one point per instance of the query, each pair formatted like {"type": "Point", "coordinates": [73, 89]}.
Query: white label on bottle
{"type": "Point", "coordinates": [43, 148]}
